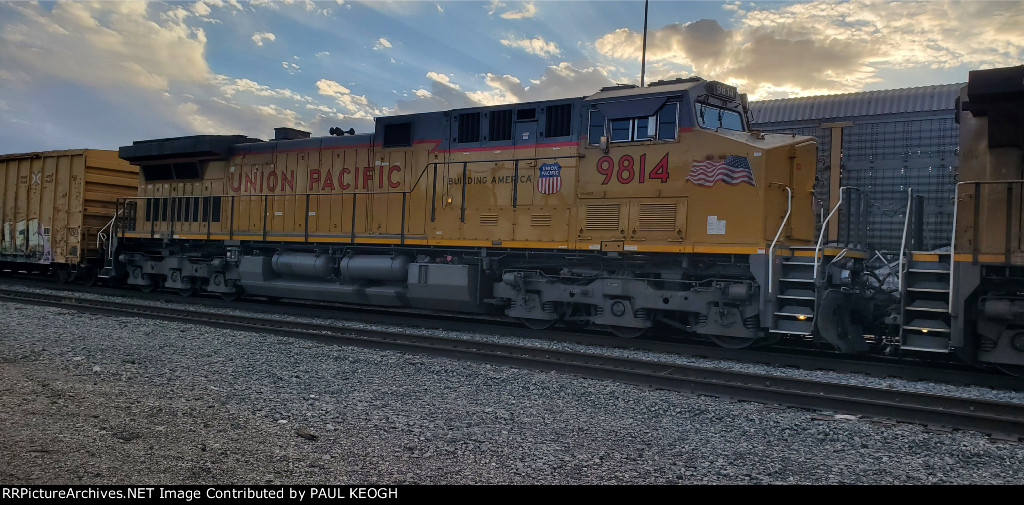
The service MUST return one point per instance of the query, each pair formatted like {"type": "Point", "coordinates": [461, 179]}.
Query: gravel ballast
{"type": "Point", "coordinates": [979, 392]}
{"type": "Point", "coordinates": [111, 400]}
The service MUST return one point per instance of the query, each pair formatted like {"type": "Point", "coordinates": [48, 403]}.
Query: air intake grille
{"type": "Point", "coordinates": [657, 217]}
{"type": "Point", "coordinates": [488, 220]}
{"type": "Point", "coordinates": [540, 219]}
{"type": "Point", "coordinates": [603, 216]}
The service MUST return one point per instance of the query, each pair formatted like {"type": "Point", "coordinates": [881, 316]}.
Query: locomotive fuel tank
{"type": "Point", "coordinates": [383, 268]}
{"type": "Point", "coordinates": [303, 264]}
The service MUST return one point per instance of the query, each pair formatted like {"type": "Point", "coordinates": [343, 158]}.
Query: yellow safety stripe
{"type": "Point", "coordinates": [512, 244]}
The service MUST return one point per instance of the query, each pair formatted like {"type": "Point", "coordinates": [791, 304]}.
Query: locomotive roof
{"type": "Point", "coordinates": [654, 88]}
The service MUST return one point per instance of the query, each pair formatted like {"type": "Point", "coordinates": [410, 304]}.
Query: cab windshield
{"type": "Point", "coordinates": [710, 116]}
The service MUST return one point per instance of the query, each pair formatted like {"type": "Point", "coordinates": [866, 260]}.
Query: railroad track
{"type": "Point", "coordinates": [802, 358]}
{"type": "Point", "coordinates": [1001, 420]}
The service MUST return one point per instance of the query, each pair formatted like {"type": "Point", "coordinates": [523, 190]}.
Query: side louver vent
{"type": "Point", "coordinates": [603, 216]}
{"type": "Point", "coordinates": [540, 219]}
{"type": "Point", "coordinates": [488, 219]}
{"type": "Point", "coordinates": [657, 217]}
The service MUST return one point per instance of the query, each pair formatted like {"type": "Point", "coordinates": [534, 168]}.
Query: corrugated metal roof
{"type": "Point", "coordinates": [865, 103]}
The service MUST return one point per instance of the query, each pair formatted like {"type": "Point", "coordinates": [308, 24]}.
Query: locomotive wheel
{"type": "Point", "coordinates": [186, 292]}
{"type": "Point", "coordinates": [732, 342]}
{"type": "Point", "coordinates": [537, 324]}
{"type": "Point", "coordinates": [230, 296]}
{"type": "Point", "coordinates": [626, 331]}
{"type": "Point", "coordinates": [146, 288]}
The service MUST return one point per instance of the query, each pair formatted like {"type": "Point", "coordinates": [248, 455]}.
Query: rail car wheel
{"type": "Point", "coordinates": [89, 277]}
{"type": "Point", "coordinates": [626, 331]}
{"type": "Point", "coordinates": [63, 274]}
{"type": "Point", "coordinates": [537, 324]}
{"type": "Point", "coordinates": [732, 342]}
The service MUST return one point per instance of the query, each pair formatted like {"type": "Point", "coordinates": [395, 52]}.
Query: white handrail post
{"type": "Point", "coordinates": [771, 250]}
{"type": "Point", "coordinates": [903, 244]}
{"type": "Point", "coordinates": [101, 236]}
{"type": "Point", "coordinates": [952, 243]}
{"type": "Point", "coordinates": [821, 235]}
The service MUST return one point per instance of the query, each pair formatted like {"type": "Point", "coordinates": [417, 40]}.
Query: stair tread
{"type": "Point", "coordinates": [804, 327]}
{"type": "Point", "coordinates": [798, 291]}
{"type": "Point", "coordinates": [932, 305]}
{"type": "Point", "coordinates": [796, 280]}
{"type": "Point", "coordinates": [927, 324]}
{"type": "Point", "coordinates": [929, 286]}
{"type": "Point", "coordinates": [797, 309]}
{"type": "Point", "coordinates": [921, 342]}
{"type": "Point", "coordinates": [928, 349]}
{"type": "Point", "coordinates": [928, 309]}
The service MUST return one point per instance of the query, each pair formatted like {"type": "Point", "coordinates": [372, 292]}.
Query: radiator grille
{"type": "Point", "coordinates": [489, 219]}
{"type": "Point", "coordinates": [602, 216]}
{"type": "Point", "coordinates": [540, 219]}
{"type": "Point", "coordinates": [657, 217]}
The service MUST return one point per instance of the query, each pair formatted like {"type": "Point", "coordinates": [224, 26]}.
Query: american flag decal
{"type": "Point", "coordinates": [732, 171]}
{"type": "Point", "coordinates": [550, 179]}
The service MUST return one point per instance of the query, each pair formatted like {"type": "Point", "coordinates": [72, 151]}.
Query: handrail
{"type": "Point", "coordinates": [952, 240]}
{"type": "Point", "coordinates": [355, 194]}
{"type": "Point", "coordinates": [101, 236]}
{"type": "Point", "coordinates": [771, 250]}
{"type": "Point", "coordinates": [903, 244]}
{"type": "Point", "coordinates": [821, 235]}
{"type": "Point", "coordinates": [952, 246]}
{"type": "Point", "coordinates": [886, 263]}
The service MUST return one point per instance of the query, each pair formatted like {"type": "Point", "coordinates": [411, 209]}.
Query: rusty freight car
{"type": "Point", "coordinates": [53, 205]}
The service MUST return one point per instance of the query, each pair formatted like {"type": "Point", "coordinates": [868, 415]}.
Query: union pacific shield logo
{"type": "Point", "coordinates": [550, 179]}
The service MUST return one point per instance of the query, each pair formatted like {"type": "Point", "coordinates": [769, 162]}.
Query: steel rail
{"type": "Point", "coordinates": [1002, 420]}
{"type": "Point", "coordinates": [682, 345]}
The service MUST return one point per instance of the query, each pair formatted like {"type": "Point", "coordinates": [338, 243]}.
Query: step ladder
{"type": "Point", "coordinates": [926, 319]}
{"type": "Point", "coordinates": [795, 298]}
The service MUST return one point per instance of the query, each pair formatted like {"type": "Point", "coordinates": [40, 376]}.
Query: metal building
{"type": "Point", "coordinates": [892, 140]}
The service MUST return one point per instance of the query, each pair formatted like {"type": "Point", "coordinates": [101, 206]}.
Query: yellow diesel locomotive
{"type": "Point", "coordinates": [631, 207]}
{"type": "Point", "coordinates": [970, 301]}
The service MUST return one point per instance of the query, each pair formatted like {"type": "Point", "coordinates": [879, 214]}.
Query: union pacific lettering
{"type": "Point", "coordinates": [256, 181]}
{"type": "Point", "coordinates": [318, 181]}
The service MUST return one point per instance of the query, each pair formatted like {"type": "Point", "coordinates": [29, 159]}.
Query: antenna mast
{"type": "Point", "coordinates": [643, 58]}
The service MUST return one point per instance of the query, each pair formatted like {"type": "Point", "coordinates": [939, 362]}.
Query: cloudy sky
{"type": "Point", "coordinates": [101, 74]}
